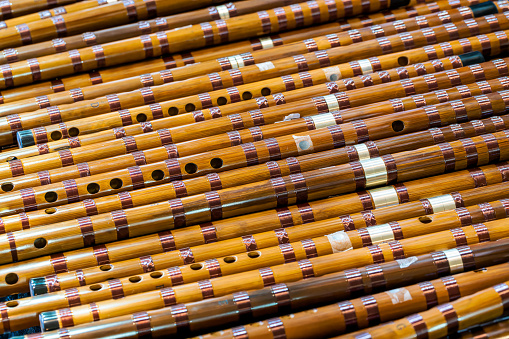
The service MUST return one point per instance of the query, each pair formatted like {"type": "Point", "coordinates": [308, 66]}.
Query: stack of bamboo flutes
{"type": "Point", "coordinates": [254, 169]}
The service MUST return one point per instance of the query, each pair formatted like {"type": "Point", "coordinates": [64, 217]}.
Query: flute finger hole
{"type": "Point", "coordinates": [173, 111]}
{"type": "Point", "coordinates": [254, 254]}
{"type": "Point", "coordinates": [425, 219]}
{"type": "Point", "coordinates": [51, 196]}
{"type": "Point", "coordinates": [105, 268]}
{"type": "Point", "coordinates": [398, 126]}
{"type": "Point", "coordinates": [11, 158]}
{"type": "Point", "coordinates": [190, 107]}
{"type": "Point", "coordinates": [222, 101]}
{"type": "Point", "coordinates": [191, 168]}
{"type": "Point", "coordinates": [93, 188]}
{"type": "Point", "coordinates": [11, 278]}
{"type": "Point", "coordinates": [50, 210]}
{"type": "Point", "coordinates": [266, 91]}
{"type": "Point", "coordinates": [141, 117]}
{"type": "Point", "coordinates": [135, 279]}
{"type": "Point", "coordinates": [156, 275]}
{"type": "Point", "coordinates": [216, 163]}
{"type": "Point", "coordinates": [40, 243]}
{"type": "Point", "coordinates": [11, 303]}
{"type": "Point", "coordinates": [403, 61]}
{"type": "Point", "coordinates": [247, 95]}
{"type": "Point", "coordinates": [57, 135]}
{"type": "Point", "coordinates": [230, 260]}
{"type": "Point", "coordinates": [116, 183]}
{"type": "Point", "coordinates": [196, 267]}
{"type": "Point", "coordinates": [95, 287]}
{"type": "Point", "coordinates": [74, 131]}
{"type": "Point", "coordinates": [7, 186]}
{"type": "Point", "coordinates": [157, 175]}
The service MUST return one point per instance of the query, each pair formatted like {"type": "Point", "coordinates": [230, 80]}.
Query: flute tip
{"type": "Point", "coordinates": [38, 286]}
{"type": "Point", "coordinates": [49, 321]}
{"type": "Point", "coordinates": [25, 138]}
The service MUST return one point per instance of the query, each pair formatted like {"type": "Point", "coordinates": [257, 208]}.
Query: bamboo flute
{"type": "Point", "coordinates": [326, 138]}
{"type": "Point", "coordinates": [15, 277]}
{"type": "Point", "coordinates": [277, 192]}
{"type": "Point", "coordinates": [297, 295]}
{"type": "Point", "coordinates": [196, 36]}
{"type": "Point", "coordinates": [24, 7]}
{"type": "Point", "coordinates": [10, 124]}
{"type": "Point", "coordinates": [371, 310]}
{"type": "Point", "coordinates": [246, 59]}
{"type": "Point", "coordinates": [230, 9]}
{"type": "Point", "coordinates": [27, 309]}
{"type": "Point", "coordinates": [258, 103]}
{"type": "Point", "coordinates": [156, 145]}
{"type": "Point", "coordinates": [308, 247]}
{"type": "Point", "coordinates": [112, 13]}
{"type": "Point", "coordinates": [497, 328]}
{"type": "Point", "coordinates": [462, 313]}
{"type": "Point", "coordinates": [177, 60]}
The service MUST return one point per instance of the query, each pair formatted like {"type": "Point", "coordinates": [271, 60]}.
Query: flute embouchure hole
{"type": "Point", "coordinates": [221, 101]}
{"type": "Point", "coordinates": [93, 188]}
{"type": "Point", "coordinates": [157, 175]}
{"type": "Point", "coordinates": [95, 287]}
{"type": "Point", "coordinates": [190, 107]}
{"type": "Point", "coordinates": [334, 77]}
{"type": "Point", "coordinates": [40, 243]}
{"type": "Point", "coordinates": [196, 267]}
{"type": "Point", "coordinates": [135, 279]}
{"type": "Point", "coordinates": [56, 135]}
{"type": "Point", "coordinates": [425, 219]}
{"type": "Point", "coordinates": [7, 186]}
{"type": "Point", "coordinates": [398, 126]}
{"type": "Point", "coordinates": [173, 111]}
{"type": "Point", "coordinates": [11, 278]}
{"type": "Point", "coordinates": [141, 117]}
{"type": "Point", "coordinates": [116, 183]}
{"type": "Point", "coordinates": [51, 196]}
{"type": "Point", "coordinates": [403, 61]}
{"type": "Point", "coordinates": [253, 255]}
{"type": "Point", "coordinates": [74, 132]}
{"type": "Point", "coordinates": [247, 95]}
{"type": "Point", "coordinates": [216, 163]}
{"type": "Point", "coordinates": [11, 158]}
{"type": "Point", "coordinates": [230, 260]}
{"type": "Point", "coordinates": [50, 210]}
{"type": "Point", "coordinates": [105, 267]}
{"type": "Point", "coordinates": [266, 91]}
{"type": "Point", "coordinates": [11, 303]}
{"type": "Point", "coordinates": [191, 168]}
{"type": "Point", "coordinates": [156, 275]}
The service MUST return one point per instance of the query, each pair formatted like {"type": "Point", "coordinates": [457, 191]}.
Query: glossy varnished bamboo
{"type": "Point", "coordinates": [24, 7]}
{"type": "Point", "coordinates": [228, 310]}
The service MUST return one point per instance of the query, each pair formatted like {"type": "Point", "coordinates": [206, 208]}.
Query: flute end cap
{"type": "Point", "coordinates": [399, 3]}
{"type": "Point", "coordinates": [25, 138]}
{"type": "Point", "coordinates": [49, 321]}
{"type": "Point", "coordinates": [472, 58]}
{"type": "Point", "coordinates": [38, 286]}
{"type": "Point", "coordinates": [483, 9]}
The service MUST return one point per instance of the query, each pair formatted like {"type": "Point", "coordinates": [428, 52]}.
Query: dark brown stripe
{"type": "Point", "coordinates": [214, 202]}
{"type": "Point", "coordinates": [101, 254]}
{"type": "Point", "coordinates": [87, 231]}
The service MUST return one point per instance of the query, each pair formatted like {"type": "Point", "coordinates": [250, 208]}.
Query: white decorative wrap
{"type": "Point", "coordinates": [236, 61]}
{"type": "Point", "coordinates": [332, 102]}
{"type": "Point", "coordinates": [362, 151]}
{"type": "Point", "coordinates": [442, 203]}
{"type": "Point", "coordinates": [404, 263]}
{"type": "Point", "coordinates": [366, 67]}
{"type": "Point", "coordinates": [223, 12]}
{"type": "Point", "coordinates": [455, 260]}
{"type": "Point", "coordinates": [399, 295]}
{"type": "Point", "coordinates": [380, 233]}
{"type": "Point", "coordinates": [265, 66]}
{"type": "Point", "coordinates": [384, 196]}
{"type": "Point", "coordinates": [323, 120]}
{"type": "Point", "coordinates": [303, 143]}
{"type": "Point", "coordinates": [266, 42]}
{"type": "Point", "coordinates": [375, 171]}
{"type": "Point", "coordinates": [332, 73]}
{"type": "Point", "coordinates": [339, 241]}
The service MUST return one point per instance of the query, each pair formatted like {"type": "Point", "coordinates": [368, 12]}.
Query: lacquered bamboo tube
{"type": "Point", "coordinates": [26, 310]}
{"type": "Point", "coordinates": [465, 312]}
{"type": "Point", "coordinates": [371, 310]}
{"type": "Point", "coordinates": [14, 277]}
{"type": "Point", "coordinates": [298, 295]}
{"type": "Point", "coordinates": [297, 188]}
{"type": "Point", "coordinates": [230, 9]}
{"type": "Point", "coordinates": [196, 36]}
{"type": "Point", "coordinates": [497, 328]}
{"type": "Point", "coordinates": [154, 65]}
{"type": "Point", "coordinates": [246, 59]}
{"type": "Point", "coordinates": [309, 247]}
{"type": "Point", "coordinates": [325, 138]}
{"type": "Point", "coordinates": [110, 14]}
{"type": "Point", "coordinates": [24, 7]}
{"type": "Point", "coordinates": [218, 124]}
{"type": "Point", "coordinates": [156, 145]}
{"type": "Point", "coordinates": [9, 125]}
{"type": "Point", "coordinates": [73, 7]}
{"type": "Point", "coordinates": [149, 112]}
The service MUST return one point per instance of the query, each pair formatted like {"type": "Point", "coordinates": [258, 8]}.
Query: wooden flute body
{"type": "Point", "coordinates": [24, 7]}
{"type": "Point", "coordinates": [283, 297]}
